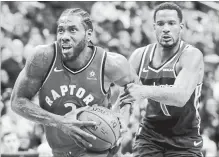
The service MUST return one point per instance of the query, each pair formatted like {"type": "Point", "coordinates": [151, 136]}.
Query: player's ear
{"type": "Point", "coordinates": [89, 33]}
{"type": "Point", "coordinates": [154, 25]}
{"type": "Point", "coordinates": [181, 25]}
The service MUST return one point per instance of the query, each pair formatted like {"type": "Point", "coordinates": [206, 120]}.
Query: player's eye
{"type": "Point", "coordinates": [60, 30]}
{"type": "Point", "coordinates": [172, 23]}
{"type": "Point", "coordinates": [73, 30]}
{"type": "Point", "coordinates": [160, 23]}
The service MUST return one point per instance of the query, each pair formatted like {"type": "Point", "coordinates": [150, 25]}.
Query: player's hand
{"type": "Point", "coordinates": [123, 117]}
{"type": "Point", "coordinates": [72, 127]}
{"type": "Point", "coordinates": [115, 150]}
{"type": "Point", "coordinates": [123, 124]}
{"type": "Point", "coordinates": [133, 92]}
{"type": "Point", "coordinates": [123, 128]}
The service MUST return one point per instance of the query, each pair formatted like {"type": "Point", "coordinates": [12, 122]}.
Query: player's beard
{"type": "Point", "coordinates": [169, 46]}
{"type": "Point", "coordinates": [77, 49]}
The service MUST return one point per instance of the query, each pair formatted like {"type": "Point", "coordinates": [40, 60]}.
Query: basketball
{"type": "Point", "coordinates": [107, 129]}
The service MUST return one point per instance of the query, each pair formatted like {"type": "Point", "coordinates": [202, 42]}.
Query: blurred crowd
{"type": "Point", "coordinates": [120, 27]}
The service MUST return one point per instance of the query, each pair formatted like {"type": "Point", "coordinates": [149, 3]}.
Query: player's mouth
{"type": "Point", "coordinates": [166, 38]}
{"type": "Point", "coordinates": [66, 49]}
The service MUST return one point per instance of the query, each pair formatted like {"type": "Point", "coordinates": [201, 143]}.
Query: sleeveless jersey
{"type": "Point", "coordinates": [82, 87]}
{"type": "Point", "coordinates": [164, 119]}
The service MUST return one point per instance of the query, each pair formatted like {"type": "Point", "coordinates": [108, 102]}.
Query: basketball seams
{"type": "Point", "coordinates": [97, 136]}
{"type": "Point", "coordinates": [104, 121]}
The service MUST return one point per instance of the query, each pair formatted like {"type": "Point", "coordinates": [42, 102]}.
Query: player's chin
{"type": "Point", "coordinates": [167, 44]}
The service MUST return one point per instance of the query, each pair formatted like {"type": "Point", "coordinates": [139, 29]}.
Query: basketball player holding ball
{"type": "Point", "coordinates": [70, 75]}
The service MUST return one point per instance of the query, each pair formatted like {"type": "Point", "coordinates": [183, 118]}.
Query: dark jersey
{"type": "Point", "coordinates": [82, 87]}
{"type": "Point", "coordinates": [168, 120]}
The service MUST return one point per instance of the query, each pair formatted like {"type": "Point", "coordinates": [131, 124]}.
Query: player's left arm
{"type": "Point", "coordinates": [191, 71]}
{"type": "Point", "coordinates": [119, 71]}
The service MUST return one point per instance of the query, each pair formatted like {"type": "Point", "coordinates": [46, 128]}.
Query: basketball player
{"type": "Point", "coordinates": [171, 72]}
{"type": "Point", "coordinates": [68, 74]}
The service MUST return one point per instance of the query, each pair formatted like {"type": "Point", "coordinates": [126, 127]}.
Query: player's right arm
{"type": "Point", "coordinates": [28, 84]}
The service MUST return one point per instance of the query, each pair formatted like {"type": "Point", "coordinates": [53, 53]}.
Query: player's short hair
{"type": "Point", "coordinates": [169, 6]}
{"type": "Point", "coordinates": [86, 20]}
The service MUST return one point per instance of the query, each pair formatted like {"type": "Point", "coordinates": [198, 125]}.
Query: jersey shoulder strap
{"type": "Point", "coordinates": [183, 46]}
{"type": "Point", "coordinates": [101, 56]}
{"type": "Point", "coordinates": [146, 56]}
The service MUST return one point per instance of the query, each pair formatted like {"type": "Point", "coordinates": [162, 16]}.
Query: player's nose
{"type": "Point", "coordinates": [65, 37]}
{"type": "Point", "coordinates": [166, 28]}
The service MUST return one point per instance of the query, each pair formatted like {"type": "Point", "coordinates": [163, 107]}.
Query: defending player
{"type": "Point", "coordinates": [68, 74]}
{"type": "Point", "coordinates": [171, 72]}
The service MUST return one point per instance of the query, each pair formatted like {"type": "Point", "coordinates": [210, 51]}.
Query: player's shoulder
{"type": "Point", "coordinates": [113, 55]}
{"type": "Point", "coordinates": [138, 52]}
{"type": "Point", "coordinates": [115, 60]}
{"type": "Point", "coordinates": [40, 59]}
{"type": "Point", "coordinates": [190, 48]}
{"type": "Point", "coordinates": [42, 52]}
{"type": "Point", "coordinates": [192, 52]}
{"type": "Point", "coordinates": [136, 57]}
{"type": "Point", "coordinates": [118, 69]}
{"type": "Point", "coordinates": [191, 58]}
{"type": "Point", "coordinates": [115, 63]}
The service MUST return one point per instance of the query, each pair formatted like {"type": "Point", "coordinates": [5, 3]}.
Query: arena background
{"type": "Point", "coordinates": [119, 27]}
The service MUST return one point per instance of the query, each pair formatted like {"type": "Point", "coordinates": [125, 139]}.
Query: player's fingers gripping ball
{"type": "Point", "coordinates": [107, 129]}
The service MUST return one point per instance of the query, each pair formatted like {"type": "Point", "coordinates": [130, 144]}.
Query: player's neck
{"type": "Point", "coordinates": [166, 53]}
{"type": "Point", "coordinates": [81, 60]}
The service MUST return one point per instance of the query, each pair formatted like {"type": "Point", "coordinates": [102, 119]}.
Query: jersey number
{"type": "Point", "coordinates": [72, 105]}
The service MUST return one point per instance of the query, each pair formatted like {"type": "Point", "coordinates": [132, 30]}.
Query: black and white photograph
{"type": "Point", "coordinates": [109, 78]}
